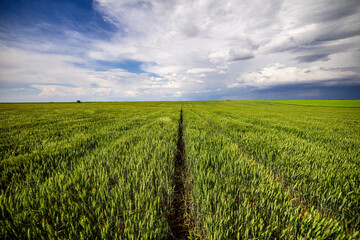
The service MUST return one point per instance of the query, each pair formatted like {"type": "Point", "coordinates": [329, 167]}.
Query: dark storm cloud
{"type": "Point", "coordinates": [299, 91]}
{"type": "Point", "coordinates": [318, 24]}
{"type": "Point", "coordinates": [324, 11]}
{"type": "Point", "coordinates": [311, 91]}
{"type": "Point", "coordinates": [313, 58]}
{"type": "Point", "coordinates": [341, 33]}
{"type": "Point", "coordinates": [336, 10]}
{"type": "Point", "coordinates": [238, 56]}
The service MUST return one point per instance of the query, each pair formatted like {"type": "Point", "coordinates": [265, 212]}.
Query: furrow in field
{"type": "Point", "coordinates": [177, 215]}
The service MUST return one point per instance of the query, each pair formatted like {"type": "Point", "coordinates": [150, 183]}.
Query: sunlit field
{"type": "Point", "coordinates": [170, 170]}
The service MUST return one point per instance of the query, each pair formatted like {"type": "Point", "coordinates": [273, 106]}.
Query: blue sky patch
{"type": "Point", "coordinates": [52, 18]}
{"type": "Point", "coordinates": [129, 65]}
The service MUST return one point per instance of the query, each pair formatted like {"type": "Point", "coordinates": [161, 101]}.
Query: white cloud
{"type": "Point", "coordinates": [185, 34]}
{"type": "Point", "coordinates": [200, 70]}
{"type": "Point", "coordinates": [190, 37]}
{"type": "Point", "coordinates": [278, 74]}
{"type": "Point", "coordinates": [18, 66]}
{"type": "Point", "coordinates": [191, 47]}
{"type": "Point", "coordinates": [55, 77]}
{"type": "Point", "coordinates": [58, 91]}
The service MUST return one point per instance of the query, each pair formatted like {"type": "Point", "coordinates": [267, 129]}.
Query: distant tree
{"type": "Point", "coordinates": [78, 101]}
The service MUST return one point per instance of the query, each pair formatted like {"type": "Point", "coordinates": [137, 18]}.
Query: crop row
{"type": "Point", "coordinates": [115, 181]}
{"type": "Point", "coordinates": [312, 152]}
{"type": "Point", "coordinates": [253, 170]}
{"type": "Point", "coordinates": [235, 197]}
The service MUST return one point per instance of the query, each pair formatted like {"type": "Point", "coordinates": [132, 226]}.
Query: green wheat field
{"type": "Point", "coordinates": [249, 170]}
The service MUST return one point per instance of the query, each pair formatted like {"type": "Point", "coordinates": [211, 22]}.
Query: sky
{"type": "Point", "coordinates": [167, 50]}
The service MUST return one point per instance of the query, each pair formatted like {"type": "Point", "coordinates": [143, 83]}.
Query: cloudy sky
{"type": "Point", "coordinates": [123, 50]}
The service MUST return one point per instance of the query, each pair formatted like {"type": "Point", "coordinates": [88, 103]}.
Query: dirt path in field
{"type": "Point", "coordinates": [176, 217]}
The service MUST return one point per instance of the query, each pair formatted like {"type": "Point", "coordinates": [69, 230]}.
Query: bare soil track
{"type": "Point", "coordinates": [176, 218]}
